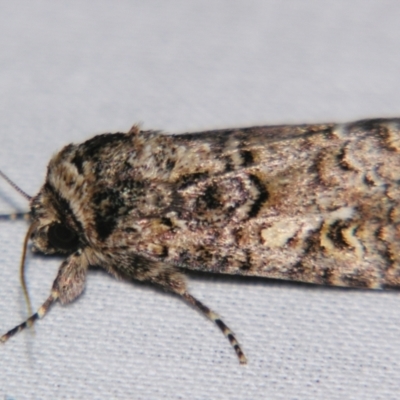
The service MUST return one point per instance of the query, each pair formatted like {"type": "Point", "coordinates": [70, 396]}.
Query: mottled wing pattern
{"type": "Point", "coordinates": [312, 203]}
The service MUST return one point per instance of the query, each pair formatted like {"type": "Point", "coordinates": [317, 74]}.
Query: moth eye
{"type": "Point", "coordinates": [62, 237]}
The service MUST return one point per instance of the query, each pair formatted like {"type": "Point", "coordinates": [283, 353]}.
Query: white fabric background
{"type": "Point", "coordinates": [69, 70]}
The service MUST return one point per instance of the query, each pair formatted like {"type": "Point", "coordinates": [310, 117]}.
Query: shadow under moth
{"type": "Point", "coordinates": [309, 203]}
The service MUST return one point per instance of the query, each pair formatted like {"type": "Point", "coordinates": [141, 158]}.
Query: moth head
{"type": "Point", "coordinates": [54, 229]}
{"type": "Point", "coordinates": [55, 237]}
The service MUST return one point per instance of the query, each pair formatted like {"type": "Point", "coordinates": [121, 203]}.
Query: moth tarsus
{"type": "Point", "coordinates": [211, 315]}
{"type": "Point", "coordinates": [15, 216]}
{"type": "Point", "coordinates": [310, 203]}
{"type": "Point", "coordinates": [31, 320]}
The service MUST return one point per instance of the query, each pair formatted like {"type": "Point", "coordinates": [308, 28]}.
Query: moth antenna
{"type": "Point", "coordinates": [22, 268]}
{"type": "Point", "coordinates": [17, 188]}
{"type": "Point", "coordinates": [17, 216]}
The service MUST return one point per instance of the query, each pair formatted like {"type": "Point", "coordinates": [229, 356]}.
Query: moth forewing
{"type": "Point", "coordinates": [310, 203]}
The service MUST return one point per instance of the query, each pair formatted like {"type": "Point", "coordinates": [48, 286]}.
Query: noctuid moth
{"type": "Point", "coordinates": [309, 203]}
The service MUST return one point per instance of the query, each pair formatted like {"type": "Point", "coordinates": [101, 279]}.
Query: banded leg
{"type": "Point", "coordinates": [67, 286]}
{"type": "Point", "coordinates": [173, 280]}
{"type": "Point", "coordinates": [31, 320]}
{"type": "Point", "coordinates": [218, 321]}
{"type": "Point", "coordinates": [16, 216]}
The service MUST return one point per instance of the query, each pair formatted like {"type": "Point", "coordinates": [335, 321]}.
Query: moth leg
{"type": "Point", "coordinates": [174, 281]}
{"type": "Point", "coordinates": [67, 286]}
{"type": "Point", "coordinates": [15, 216]}
{"type": "Point", "coordinates": [30, 321]}
{"type": "Point", "coordinates": [211, 315]}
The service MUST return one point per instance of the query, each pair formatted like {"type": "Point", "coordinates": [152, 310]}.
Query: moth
{"type": "Point", "coordinates": [308, 203]}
